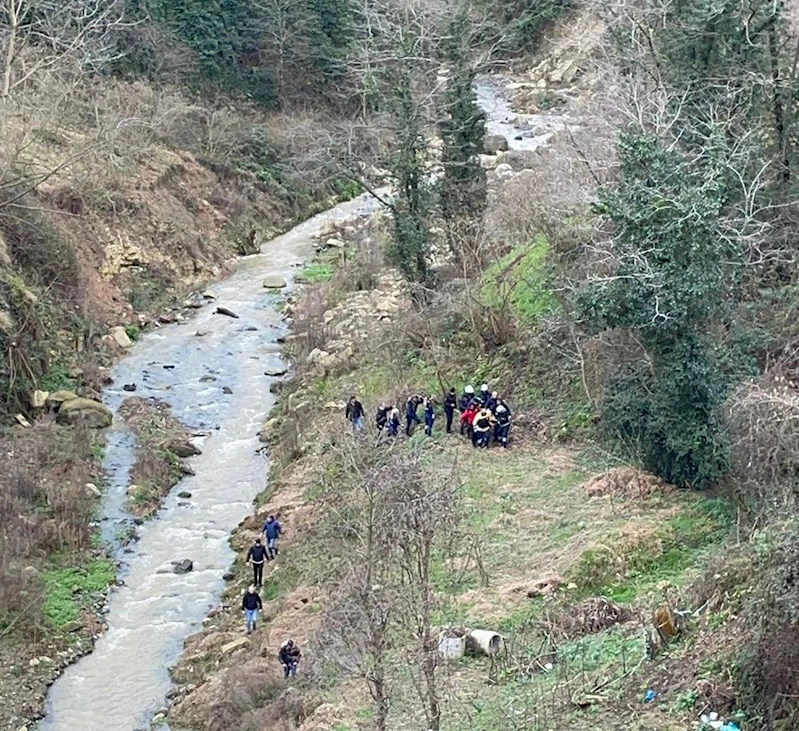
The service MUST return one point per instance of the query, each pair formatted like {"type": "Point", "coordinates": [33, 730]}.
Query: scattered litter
{"type": "Point", "coordinates": [650, 696]}
{"type": "Point", "coordinates": [712, 721]}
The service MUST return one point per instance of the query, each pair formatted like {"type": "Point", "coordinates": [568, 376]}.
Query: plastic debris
{"type": "Point", "coordinates": [650, 696]}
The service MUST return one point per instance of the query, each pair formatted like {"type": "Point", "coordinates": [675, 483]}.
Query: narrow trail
{"type": "Point", "coordinates": [125, 680]}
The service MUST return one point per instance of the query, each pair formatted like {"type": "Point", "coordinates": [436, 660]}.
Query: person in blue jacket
{"type": "Point", "coordinates": [272, 531]}
{"type": "Point", "coordinates": [411, 417]}
{"type": "Point", "coordinates": [429, 416]}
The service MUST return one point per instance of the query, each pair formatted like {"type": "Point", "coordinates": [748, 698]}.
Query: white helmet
{"type": "Point", "coordinates": [484, 387]}
{"type": "Point", "coordinates": [468, 389]}
{"type": "Point", "coordinates": [501, 409]}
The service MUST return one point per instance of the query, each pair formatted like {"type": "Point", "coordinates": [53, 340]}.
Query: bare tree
{"type": "Point", "coordinates": [41, 36]}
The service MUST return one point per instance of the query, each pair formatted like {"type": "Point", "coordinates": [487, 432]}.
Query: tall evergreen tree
{"type": "Point", "coordinates": [463, 188]}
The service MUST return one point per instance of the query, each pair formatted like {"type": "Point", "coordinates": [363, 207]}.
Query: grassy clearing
{"type": "Point", "coordinates": [70, 590]}
{"type": "Point", "coordinates": [520, 280]}
{"type": "Point", "coordinates": [316, 272]}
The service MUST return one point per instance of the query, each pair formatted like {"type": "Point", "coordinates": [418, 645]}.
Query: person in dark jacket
{"type": "Point", "coordinates": [411, 417]}
{"type": "Point", "coordinates": [381, 418]}
{"type": "Point", "coordinates": [355, 413]}
{"type": "Point", "coordinates": [257, 554]}
{"type": "Point", "coordinates": [289, 656]}
{"type": "Point", "coordinates": [393, 421]}
{"type": "Point", "coordinates": [272, 531]}
{"type": "Point", "coordinates": [450, 404]}
{"type": "Point", "coordinates": [251, 604]}
{"type": "Point", "coordinates": [429, 416]}
{"type": "Point", "coordinates": [484, 394]}
{"type": "Point", "coordinates": [502, 428]}
{"type": "Point", "coordinates": [492, 402]}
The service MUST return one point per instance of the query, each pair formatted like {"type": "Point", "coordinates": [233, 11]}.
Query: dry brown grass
{"type": "Point", "coordinates": [45, 509]}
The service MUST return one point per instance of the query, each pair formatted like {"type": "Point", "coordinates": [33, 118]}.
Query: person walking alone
{"type": "Point", "coordinates": [251, 604]}
{"type": "Point", "coordinates": [355, 413]}
{"type": "Point", "coordinates": [450, 404]}
{"type": "Point", "coordinates": [429, 416]}
{"type": "Point", "coordinates": [257, 554]}
{"type": "Point", "coordinates": [272, 531]}
{"type": "Point", "coordinates": [289, 656]}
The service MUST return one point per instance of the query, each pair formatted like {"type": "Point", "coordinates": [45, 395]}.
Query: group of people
{"type": "Point", "coordinates": [258, 554]}
{"type": "Point", "coordinates": [483, 415]}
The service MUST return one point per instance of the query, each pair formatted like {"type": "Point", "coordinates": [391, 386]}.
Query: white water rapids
{"type": "Point", "coordinates": [125, 680]}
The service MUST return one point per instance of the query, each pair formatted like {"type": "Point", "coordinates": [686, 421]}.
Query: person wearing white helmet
{"type": "Point", "coordinates": [465, 401]}
{"type": "Point", "coordinates": [485, 395]}
{"type": "Point", "coordinates": [502, 426]}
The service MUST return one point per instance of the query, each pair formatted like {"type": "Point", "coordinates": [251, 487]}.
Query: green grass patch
{"type": "Point", "coordinates": [520, 281]}
{"type": "Point", "coordinates": [624, 571]}
{"type": "Point", "coordinates": [68, 590]}
{"type": "Point", "coordinates": [316, 272]}
{"type": "Point", "coordinates": [57, 378]}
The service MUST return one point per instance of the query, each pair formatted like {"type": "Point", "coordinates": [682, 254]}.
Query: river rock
{"type": "Point", "coordinates": [227, 390]}
{"type": "Point", "coordinates": [129, 387]}
{"type": "Point", "coordinates": [268, 430]}
{"type": "Point", "coordinates": [183, 567]}
{"type": "Point", "coordinates": [185, 494]}
{"type": "Point", "coordinates": [503, 171]}
{"type": "Point", "coordinates": [335, 243]}
{"type": "Point", "coordinates": [39, 399]}
{"type": "Point", "coordinates": [91, 414]}
{"type": "Point", "coordinates": [494, 144]}
{"type": "Point", "coordinates": [239, 644]}
{"type": "Point", "coordinates": [183, 448]}
{"type": "Point", "coordinates": [276, 371]}
{"type": "Point", "coordinates": [274, 282]}
{"type": "Point", "coordinates": [57, 398]}
{"type": "Point", "coordinates": [225, 311]}
{"type": "Point", "coordinates": [120, 337]}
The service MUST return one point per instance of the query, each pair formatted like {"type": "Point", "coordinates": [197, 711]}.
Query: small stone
{"type": "Point", "coordinates": [227, 390]}
{"type": "Point", "coordinates": [225, 311]}
{"type": "Point", "coordinates": [184, 494]}
{"type": "Point", "coordinates": [129, 387]}
{"type": "Point", "coordinates": [276, 371]}
{"type": "Point", "coordinates": [234, 646]}
{"type": "Point", "coordinates": [228, 576]}
{"type": "Point", "coordinates": [120, 336]}
{"type": "Point", "coordinates": [274, 282]}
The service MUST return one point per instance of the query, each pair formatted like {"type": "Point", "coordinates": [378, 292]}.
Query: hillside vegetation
{"type": "Point", "coordinates": [629, 289]}
{"type": "Point", "coordinates": [629, 286]}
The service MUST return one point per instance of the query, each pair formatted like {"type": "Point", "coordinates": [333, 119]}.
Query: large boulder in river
{"type": "Point", "coordinates": [183, 448]}
{"type": "Point", "coordinates": [492, 144]}
{"type": "Point", "coordinates": [274, 282]}
{"type": "Point", "coordinates": [85, 412]}
{"type": "Point", "coordinates": [183, 567]}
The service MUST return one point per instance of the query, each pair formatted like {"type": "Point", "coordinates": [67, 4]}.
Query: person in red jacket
{"type": "Point", "coordinates": [467, 418]}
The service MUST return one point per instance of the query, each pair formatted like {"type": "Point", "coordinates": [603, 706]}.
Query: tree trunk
{"type": "Point", "coordinates": [11, 48]}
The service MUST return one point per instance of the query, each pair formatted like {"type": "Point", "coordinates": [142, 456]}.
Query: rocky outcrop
{"type": "Point", "coordinates": [85, 412]}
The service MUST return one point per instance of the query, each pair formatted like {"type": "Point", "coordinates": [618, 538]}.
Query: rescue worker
{"type": "Point", "coordinates": [466, 399]}
{"type": "Point", "coordinates": [450, 404]}
{"type": "Point", "coordinates": [502, 428]}
{"type": "Point", "coordinates": [289, 656]}
{"type": "Point", "coordinates": [393, 421]}
{"type": "Point", "coordinates": [411, 417]}
{"type": "Point", "coordinates": [251, 604]}
{"type": "Point", "coordinates": [355, 413]}
{"type": "Point", "coordinates": [272, 531]}
{"type": "Point", "coordinates": [481, 428]}
{"type": "Point", "coordinates": [257, 554]}
{"type": "Point", "coordinates": [484, 394]}
{"type": "Point", "coordinates": [429, 416]}
{"type": "Point", "coordinates": [467, 420]}
{"type": "Point", "coordinates": [492, 402]}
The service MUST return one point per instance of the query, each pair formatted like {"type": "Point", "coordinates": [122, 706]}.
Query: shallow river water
{"type": "Point", "coordinates": [125, 680]}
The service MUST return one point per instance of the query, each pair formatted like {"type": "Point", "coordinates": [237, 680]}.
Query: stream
{"type": "Point", "coordinates": [125, 680]}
